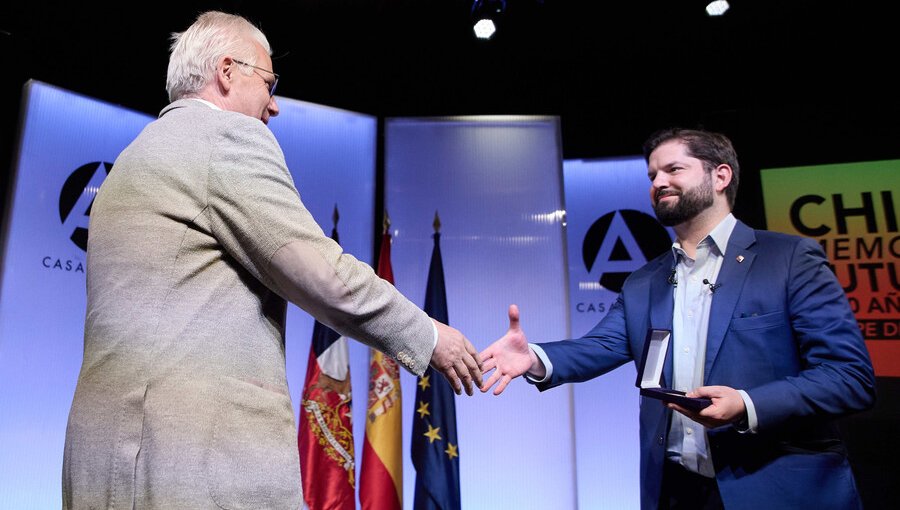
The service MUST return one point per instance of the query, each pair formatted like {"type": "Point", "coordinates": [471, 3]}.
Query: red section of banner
{"type": "Point", "coordinates": [885, 357]}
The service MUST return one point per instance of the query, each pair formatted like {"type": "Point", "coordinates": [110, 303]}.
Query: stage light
{"type": "Point", "coordinates": [717, 8]}
{"type": "Point", "coordinates": [485, 28]}
{"type": "Point", "coordinates": [486, 16]}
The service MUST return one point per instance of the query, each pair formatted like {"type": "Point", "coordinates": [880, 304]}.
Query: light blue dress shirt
{"type": "Point", "coordinates": [696, 284]}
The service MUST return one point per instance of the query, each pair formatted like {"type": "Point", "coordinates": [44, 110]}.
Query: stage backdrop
{"type": "Point", "coordinates": [611, 231]}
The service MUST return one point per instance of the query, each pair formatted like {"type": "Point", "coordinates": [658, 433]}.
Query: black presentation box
{"type": "Point", "coordinates": [649, 379]}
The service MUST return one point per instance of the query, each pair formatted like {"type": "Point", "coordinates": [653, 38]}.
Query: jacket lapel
{"type": "Point", "coordinates": [735, 267]}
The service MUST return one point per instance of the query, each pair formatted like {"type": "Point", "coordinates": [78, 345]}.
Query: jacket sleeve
{"type": "Point", "coordinates": [836, 375]}
{"type": "Point", "coordinates": [256, 213]}
{"type": "Point", "coordinates": [601, 350]}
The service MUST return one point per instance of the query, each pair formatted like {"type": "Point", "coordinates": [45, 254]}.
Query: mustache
{"type": "Point", "coordinates": [665, 192]}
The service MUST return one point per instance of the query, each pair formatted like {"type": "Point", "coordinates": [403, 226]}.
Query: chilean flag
{"type": "Point", "coordinates": [325, 436]}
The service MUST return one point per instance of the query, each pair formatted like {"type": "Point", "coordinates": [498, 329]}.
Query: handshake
{"type": "Point", "coordinates": [507, 358]}
{"type": "Point", "coordinates": [510, 357]}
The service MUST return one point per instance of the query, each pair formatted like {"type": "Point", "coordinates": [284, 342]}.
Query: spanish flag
{"type": "Point", "coordinates": [381, 474]}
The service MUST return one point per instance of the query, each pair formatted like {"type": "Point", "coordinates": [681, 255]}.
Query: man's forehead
{"type": "Point", "coordinates": [670, 153]}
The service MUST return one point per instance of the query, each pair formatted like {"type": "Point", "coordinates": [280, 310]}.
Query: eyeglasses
{"type": "Point", "coordinates": [272, 85]}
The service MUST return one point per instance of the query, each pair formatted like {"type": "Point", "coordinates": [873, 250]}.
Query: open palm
{"type": "Point", "coordinates": [509, 357]}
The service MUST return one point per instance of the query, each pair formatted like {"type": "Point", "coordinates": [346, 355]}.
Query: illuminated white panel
{"type": "Point", "coordinates": [496, 184]}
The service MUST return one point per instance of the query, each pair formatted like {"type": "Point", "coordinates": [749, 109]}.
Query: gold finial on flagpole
{"type": "Point", "coordinates": [335, 216]}
{"type": "Point", "coordinates": [437, 222]}
{"type": "Point", "coordinates": [387, 222]}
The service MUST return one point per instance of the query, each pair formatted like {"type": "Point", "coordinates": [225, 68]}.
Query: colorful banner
{"type": "Point", "coordinates": [851, 209]}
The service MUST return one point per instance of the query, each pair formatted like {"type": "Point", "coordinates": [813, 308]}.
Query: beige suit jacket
{"type": "Point", "coordinates": [197, 238]}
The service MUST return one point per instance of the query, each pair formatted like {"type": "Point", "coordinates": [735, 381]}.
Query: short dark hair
{"type": "Point", "coordinates": [713, 149]}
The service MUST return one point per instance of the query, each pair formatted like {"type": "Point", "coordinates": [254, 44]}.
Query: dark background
{"type": "Point", "coordinates": [792, 83]}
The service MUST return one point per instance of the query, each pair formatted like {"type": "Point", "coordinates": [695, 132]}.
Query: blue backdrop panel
{"type": "Point", "coordinates": [611, 232]}
{"type": "Point", "coordinates": [67, 144]}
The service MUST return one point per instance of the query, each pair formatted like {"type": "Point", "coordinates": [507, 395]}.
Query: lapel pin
{"type": "Point", "coordinates": [740, 258]}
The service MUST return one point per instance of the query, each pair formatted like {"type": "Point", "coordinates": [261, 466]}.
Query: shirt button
{"type": "Point", "coordinates": [687, 349]}
{"type": "Point", "coordinates": [689, 432]}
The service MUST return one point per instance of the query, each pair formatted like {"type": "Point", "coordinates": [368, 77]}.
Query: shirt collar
{"type": "Point", "coordinates": [718, 237]}
{"type": "Point", "coordinates": [204, 101]}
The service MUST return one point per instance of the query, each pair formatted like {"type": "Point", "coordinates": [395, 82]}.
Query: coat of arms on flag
{"type": "Point", "coordinates": [325, 435]}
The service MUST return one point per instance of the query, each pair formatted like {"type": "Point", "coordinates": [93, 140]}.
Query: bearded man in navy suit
{"type": "Point", "coordinates": [759, 325]}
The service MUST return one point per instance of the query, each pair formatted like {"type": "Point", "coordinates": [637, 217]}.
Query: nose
{"type": "Point", "coordinates": [660, 181]}
{"type": "Point", "coordinates": [272, 107]}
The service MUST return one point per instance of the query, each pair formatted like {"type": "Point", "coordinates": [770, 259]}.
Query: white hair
{"type": "Point", "coordinates": [196, 51]}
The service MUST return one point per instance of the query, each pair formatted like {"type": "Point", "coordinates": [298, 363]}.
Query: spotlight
{"type": "Point", "coordinates": [485, 28]}
{"type": "Point", "coordinates": [486, 15]}
{"type": "Point", "coordinates": [717, 8]}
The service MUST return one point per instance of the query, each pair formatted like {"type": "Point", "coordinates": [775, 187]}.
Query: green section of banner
{"type": "Point", "coordinates": [782, 187]}
{"type": "Point", "coordinates": [851, 209]}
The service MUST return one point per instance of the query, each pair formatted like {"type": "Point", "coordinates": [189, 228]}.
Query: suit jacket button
{"type": "Point", "coordinates": [659, 440]}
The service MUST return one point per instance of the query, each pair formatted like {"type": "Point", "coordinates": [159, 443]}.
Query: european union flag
{"type": "Point", "coordinates": [435, 449]}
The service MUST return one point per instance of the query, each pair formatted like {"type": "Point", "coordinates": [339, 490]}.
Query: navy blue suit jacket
{"type": "Point", "coordinates": [782, 330]}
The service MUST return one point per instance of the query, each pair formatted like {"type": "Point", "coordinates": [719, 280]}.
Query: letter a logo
{"type": "Point", "coordinates": [620, 242]}
{"type": "Point", "coordinates": [77, 196]}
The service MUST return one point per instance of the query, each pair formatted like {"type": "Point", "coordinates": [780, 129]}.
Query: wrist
{"type": "Point", "coordinates": [537, 368]}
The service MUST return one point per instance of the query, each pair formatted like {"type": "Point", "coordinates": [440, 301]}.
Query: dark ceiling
{"type": "Point", "coordinates": [793, 83]}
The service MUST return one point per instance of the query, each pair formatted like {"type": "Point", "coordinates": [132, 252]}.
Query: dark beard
{"type": "Point", "coordinates": [690, 203]}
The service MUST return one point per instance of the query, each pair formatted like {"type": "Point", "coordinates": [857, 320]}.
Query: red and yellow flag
{"type": "Point", "coordinates": [381, 474]}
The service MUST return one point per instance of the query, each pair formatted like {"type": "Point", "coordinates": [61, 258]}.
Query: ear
{"type": "Point", "coordinates": [722, 177]}
{"type": "Point", "coordinates": [225, 70]}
